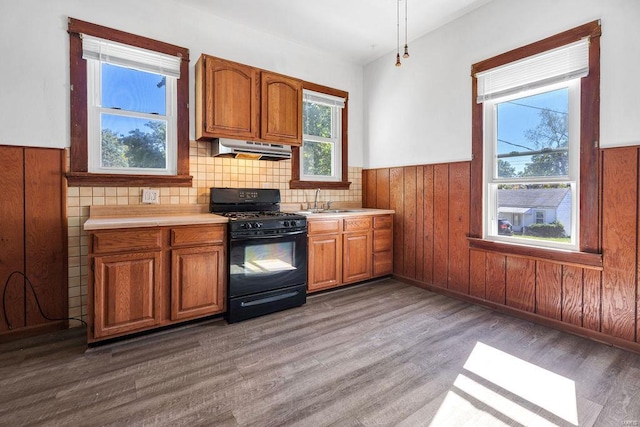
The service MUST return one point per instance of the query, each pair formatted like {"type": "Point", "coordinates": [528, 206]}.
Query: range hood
{"type": "Point", "coordinates": [250, 150]}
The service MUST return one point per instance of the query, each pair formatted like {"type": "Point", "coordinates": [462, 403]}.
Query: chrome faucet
{"type": "Point", "coordinates": [315, 201]}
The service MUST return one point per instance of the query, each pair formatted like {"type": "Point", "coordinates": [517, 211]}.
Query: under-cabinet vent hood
{"type": "Point", "coordinates": [250, 150]}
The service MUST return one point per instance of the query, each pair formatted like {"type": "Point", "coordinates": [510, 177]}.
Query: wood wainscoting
{"type": "Point", "coordinates": [433, 250]}
{"type": "Point", "coordinates": [33, 240]}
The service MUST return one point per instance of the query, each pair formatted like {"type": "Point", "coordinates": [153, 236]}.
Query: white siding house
{"type": "Point", "coordinates": [523, 207]}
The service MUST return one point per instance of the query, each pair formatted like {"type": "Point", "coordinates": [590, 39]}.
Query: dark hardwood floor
{"type": "Point", "coordinates": [382, 354]}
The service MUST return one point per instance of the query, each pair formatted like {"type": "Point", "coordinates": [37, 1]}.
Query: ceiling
{"type": "Point", "coordinates": [356, 30]}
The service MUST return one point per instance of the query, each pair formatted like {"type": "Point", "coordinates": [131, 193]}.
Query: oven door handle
{"type": "Point", "coordinates": [270, 236]}
{"type": "Point", "coordinates": [269, 299]}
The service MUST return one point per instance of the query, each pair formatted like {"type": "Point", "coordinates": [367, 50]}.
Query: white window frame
{"type": "Point", "coordinates": [96, 52]}
{"type": "Point", "coordinates": [336, 104]}
{"type": "Point", "coordinates": [492, 181]}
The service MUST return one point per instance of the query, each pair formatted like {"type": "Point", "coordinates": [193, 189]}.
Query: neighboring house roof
{"type": "Point", "coordinates": [513, 210]}
{"type": "Point", "coordinates": [529, 198]}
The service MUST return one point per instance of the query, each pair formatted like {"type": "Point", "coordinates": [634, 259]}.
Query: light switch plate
{"type": "Point", "coordinates": [150, 196]}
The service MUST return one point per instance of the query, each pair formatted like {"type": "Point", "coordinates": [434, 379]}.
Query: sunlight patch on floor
{"type": "Point", "coordinates": [541, 392]}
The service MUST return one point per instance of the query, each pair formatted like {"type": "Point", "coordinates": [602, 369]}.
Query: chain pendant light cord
{"type": "Point", "coordinates": [406, 45]}
{"type": "Point", "coordinates": [398, 63]}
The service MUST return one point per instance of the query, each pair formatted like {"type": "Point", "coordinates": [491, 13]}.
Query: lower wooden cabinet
{"type": "Point", "coordinates": [357, 249]}
{"type": "Point", "coordinates": [149, 277]}
{"type": "Point", "coordinates": [348, 250]}
{"type": "Point", "coordinates": [325, 261]}
{"type": "Point", "coordinates": [357, 257]}
{"type": "Point", "coordinates": [126, 293]}
{"type": "Point", "coordinates": [382, 245]}
{"type": "Point", "coordinates": [197, 276]}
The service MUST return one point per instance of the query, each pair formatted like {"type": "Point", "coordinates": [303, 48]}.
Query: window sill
{"type": "Point", "coordinates": [581, 259]}
{"type": "Point", "coordinates": [85, 179]}
{"type": "Point", "coordinates": [305, 185]}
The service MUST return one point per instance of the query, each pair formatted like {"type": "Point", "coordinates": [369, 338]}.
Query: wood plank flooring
{"type": "Point", "coordinates": [379, 354]}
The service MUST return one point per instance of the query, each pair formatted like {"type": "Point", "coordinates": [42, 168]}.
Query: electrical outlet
{"type": "Point", "coordinates": [150, 196]}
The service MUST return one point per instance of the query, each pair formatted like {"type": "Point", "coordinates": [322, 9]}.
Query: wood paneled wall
{"type": "Point", "coordinates": [33, 239]}
{"type": "Point", "coordinates": [432, 250]}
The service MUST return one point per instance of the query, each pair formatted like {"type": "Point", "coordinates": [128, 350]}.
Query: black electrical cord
{"type": "Point", "coordinates": [4, 301]}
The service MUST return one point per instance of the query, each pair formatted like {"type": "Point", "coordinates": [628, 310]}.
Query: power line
{"type": "Point", "coordinates": [536, 108]}
{"type": "Point", "coordinates": [515, 145]}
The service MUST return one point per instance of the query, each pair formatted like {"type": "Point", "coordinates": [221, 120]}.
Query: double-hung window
{"type": "Point", "coordinates": [129, 112]}
{"type": "Point", "coordinates": [531, 122]}
{"type": "Point", "coordinates": [321, 161]}
{"type": "Point", "coordinates": [131, 106]}
{"type": "Point", "coordinates": [321, 151]}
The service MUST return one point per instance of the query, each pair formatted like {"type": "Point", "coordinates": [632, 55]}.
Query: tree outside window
{"type": "Point", "coordinates": [321, 147]}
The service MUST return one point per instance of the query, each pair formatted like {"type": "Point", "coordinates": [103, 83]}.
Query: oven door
{"type": "Point", "coordinates": [267, 262]}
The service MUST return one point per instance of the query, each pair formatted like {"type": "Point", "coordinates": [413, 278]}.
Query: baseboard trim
{"type": "Point", "coordinates": [526, 315]}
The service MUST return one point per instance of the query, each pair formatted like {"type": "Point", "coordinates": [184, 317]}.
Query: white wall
{"type": "Point", "coordinates": [420, 113]}
{"type": "Point", "coordinates": [34, 101]}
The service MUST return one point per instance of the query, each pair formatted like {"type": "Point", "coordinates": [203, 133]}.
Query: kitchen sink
{"type": "Point", "coordinates": [330, 211]}
{"type": "Point", "coordinates": [340, 210]}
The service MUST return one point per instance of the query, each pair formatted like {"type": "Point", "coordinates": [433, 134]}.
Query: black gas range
{"type": "Point", "coordinates": [264, 223]}
{"type": "Point", "coordinates": [267, 268]}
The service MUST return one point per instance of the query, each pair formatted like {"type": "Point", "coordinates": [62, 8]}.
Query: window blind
{"type": "Point", "coordinates": [554, 66]}
{"type": "Point", "coordinates": [130, 56]}
{"type": "Point", "coordinates": [323, 99]}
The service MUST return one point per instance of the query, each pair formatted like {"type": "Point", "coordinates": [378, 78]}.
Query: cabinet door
{"type": "Point", "coordinates": [357, 249]}
{"type": "Point", "coordinates": [325, 261]}
{"type": "Point", "coordinates": [126, 292]}
{"type": "Point", "coordinates": [281, 111]}
{"type": "Point", "coordinates": [197, 282]}
{"type": "Point", "coordinates": [229, 99]}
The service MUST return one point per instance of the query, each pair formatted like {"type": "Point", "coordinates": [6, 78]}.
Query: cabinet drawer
{"type": "Point", "coordinates": [382, 240]}
{"type": "Point", "coordinates": [126, 240]}
{"type": "Point", "coordinates": [197, 235]}
{"type": "Point", "coordinates": [325, 226]}
{"type": "Point", "coordinates": [382, 221]}
{"type": "Point", "coordinates": [382, 263]}
{"type": "Point", "coordinates": [357, 223]}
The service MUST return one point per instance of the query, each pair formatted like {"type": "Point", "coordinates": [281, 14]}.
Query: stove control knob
{"type": "Point", "coordinates": [285, 223]}
{"type": "Point", "coordinates": [248, 225]}
{"type": "Point", "coordinates": [258, 225]}
{"type": "Point", "coordinates": [294, 223]}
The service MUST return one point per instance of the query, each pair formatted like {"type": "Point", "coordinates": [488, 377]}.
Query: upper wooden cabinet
{"type": "Point", "coordinates": [281, 110]}
{"type": "Point", "coordinates": [242, 102]}
{"type": "Point", "coordinates": [227, 99]}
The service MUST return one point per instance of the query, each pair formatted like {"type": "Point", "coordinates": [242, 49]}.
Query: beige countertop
{"type": "Point", "coordinates": [112, 217]}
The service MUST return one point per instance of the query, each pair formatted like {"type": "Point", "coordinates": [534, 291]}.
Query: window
{"type": "Point", "coordinates": [321, 150]}
{"type": "Point", "coordinates": [321, 161]}
{"type": "Point", "coordinates": [533, 155]}
{"type": "Point", "coordinates": [129, 117]}
{"type": "Point", "coordinates": [131, 99]}
{"type": "Point", "coordinates": [535, 152]}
